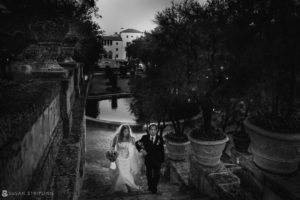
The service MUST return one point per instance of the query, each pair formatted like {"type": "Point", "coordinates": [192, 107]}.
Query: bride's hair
{"type": "Point", "coordinates": [121, 135]}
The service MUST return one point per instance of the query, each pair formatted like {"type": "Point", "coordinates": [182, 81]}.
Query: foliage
{"type": "Point", "coordinates": [186, 53]}
{"type": "Point", "coordinates": [176, 138]}
{"type": "Point", "coordinates": [264, 39]}
{"type": "Point", "coordinates": [31, 21]}
{"type": "Point", "coordinates": [228, 49]}
{"type": "Point", "coordinates": [143, 48]}
{"type": "Point", "coordinates": [154, 100]}
{"type": "Point", "coordinates": [89, 47]}
{"type": "Point", "coordinates": [88, 50]}
{"type": "Point", "coordinates": [234, 116]}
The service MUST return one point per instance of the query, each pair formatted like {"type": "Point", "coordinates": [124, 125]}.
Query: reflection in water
{"type": "Point", "coordinates": [114, 103]}
{"type": "Point", "coordinates": [92, 108]}
{"type": "Point", "coordinates": [114, 109]}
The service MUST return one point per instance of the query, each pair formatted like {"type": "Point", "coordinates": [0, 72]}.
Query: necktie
{"type": "Point", "coordinates": [152, 139]}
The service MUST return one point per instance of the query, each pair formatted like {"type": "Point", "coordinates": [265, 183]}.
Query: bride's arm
{"type": "Point", "coordinates": [113, 143]}
{"type": "Point", "coordinates": [132, 140]}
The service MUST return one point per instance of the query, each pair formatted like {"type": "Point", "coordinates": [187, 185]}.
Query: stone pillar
{"type": "Point", "coordinates": [72, 65]}
{"type": "Point", "coordinates": [66, 102]}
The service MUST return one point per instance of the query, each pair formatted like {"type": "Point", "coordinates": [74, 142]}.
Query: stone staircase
{"type": "Point", "coordinates": [167, 191]}
{"type": "Point", "coordinates": [97, 181]}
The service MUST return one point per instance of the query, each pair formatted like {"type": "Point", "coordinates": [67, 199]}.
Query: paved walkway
{"type": "Point", "coordinates": [97, 181]}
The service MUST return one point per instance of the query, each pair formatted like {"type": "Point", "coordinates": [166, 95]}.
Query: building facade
{"type": "Point", "coordinates": [115, 45]}
{"type": "Point", "coordinates": [128, 35]}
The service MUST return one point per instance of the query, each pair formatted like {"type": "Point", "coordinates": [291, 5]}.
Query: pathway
{"type": "Point", "coordinates": [97, 179]}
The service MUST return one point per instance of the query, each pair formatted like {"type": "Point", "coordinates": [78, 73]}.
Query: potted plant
{"type": "Point", "coordinates": [154, 101]}
{"type": "Point", "coordinates": [179, 112]}
{"type": "Point", "coordinates": [207, 140]}
{"type": "Point", "coordinates": [206, 84]}
{"type": "Point", "coordinates": [274, 123]}
{"type": "Point", "coordinates": [234, 116]}
{"type": "Point", "coordinates": [191, 68]}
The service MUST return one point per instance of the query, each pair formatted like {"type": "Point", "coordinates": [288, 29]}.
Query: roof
{"type": "Point", "coordinates": [130, 30]}
{"type": "Point", "coordinates": [112, 37]}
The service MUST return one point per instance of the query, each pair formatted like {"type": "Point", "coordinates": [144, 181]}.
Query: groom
{"type": "Point", "coordinates": [153, 149]}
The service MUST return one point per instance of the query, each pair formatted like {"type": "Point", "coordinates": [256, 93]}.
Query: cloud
{"type": "Point", "coordinates": [138, 14]}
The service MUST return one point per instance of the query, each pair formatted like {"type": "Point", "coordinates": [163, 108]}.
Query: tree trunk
{"type": "Point", "coordinates": [292, 86]}
{"type": "Point", "coordinates": [207, 115]}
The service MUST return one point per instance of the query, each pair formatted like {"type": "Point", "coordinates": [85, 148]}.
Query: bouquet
{"type": "Point", "coordinates": [139, 145]}
{"type": "Point", "coordinates": [111, 155]}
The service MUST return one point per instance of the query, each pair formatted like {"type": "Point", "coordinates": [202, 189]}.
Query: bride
{"type": "Point", "coordinates": [128, 162]}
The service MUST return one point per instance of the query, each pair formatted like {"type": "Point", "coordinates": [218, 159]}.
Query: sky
{"type": "Point", "coordinates": [137, 14]}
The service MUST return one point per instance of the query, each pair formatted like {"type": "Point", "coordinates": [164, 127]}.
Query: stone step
{"type": "Point", "coordinates": [149, 196]}
{"type": "Point", "coordinates": [97, 182]}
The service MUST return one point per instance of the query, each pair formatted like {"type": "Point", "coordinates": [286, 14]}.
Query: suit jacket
{"type": "Point", "coordinates": [155, 151]}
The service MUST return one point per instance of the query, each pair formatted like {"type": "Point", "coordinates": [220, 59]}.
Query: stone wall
{"type": "Point", "coordinates": [67, 176]}
{"type": "Point", "coordinates": [49, 156]}
{"type": "Point", "coordinates": [218, 182]}
{"type": "Point", "coordinates": [21, 158]}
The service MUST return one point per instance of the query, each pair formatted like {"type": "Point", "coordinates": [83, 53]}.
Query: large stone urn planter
{"type": "Point", "coordinates": [177, 151]}
{"type": "Point", "coordinates": [207, 153]}
{"type": "Point", "coordinates": [275, 152]}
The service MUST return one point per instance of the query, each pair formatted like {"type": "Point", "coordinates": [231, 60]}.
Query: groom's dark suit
{"type": "Point", "coordinates": [153, 160]}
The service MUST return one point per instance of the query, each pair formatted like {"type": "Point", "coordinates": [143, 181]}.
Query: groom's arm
{"type": "Point", "coordinates": [142, 141]}
{"type": "Point", "coordinates": [162, 149]}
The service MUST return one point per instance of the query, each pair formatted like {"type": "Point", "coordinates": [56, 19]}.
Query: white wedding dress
{"type": "Point", "coordinates": [129, 163]}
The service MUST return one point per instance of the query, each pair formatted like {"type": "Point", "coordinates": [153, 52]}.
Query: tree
{"type": "Point", "coordinates": [32, 21]}
{"type": "Point", "coordinates": [189, 52]}
{"type": "Point", "coordinates": [265, 45]}
{"type": "Point", "coordinates": [154, 100]}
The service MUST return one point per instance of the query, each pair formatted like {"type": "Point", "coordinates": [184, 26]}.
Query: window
{"type": "Point", "coordinates": [110, 42]}
{"type": "Point", "coordinates": [132, 36]}
{"type": "Point", "coordinates": [127, 43]}
{"type": "Point", "coordinates": [117, 43]}
{"type": "Point", "coordinates": [126, 36]}
{"type": "Point", "coordinates": [116, 56]}
{"type": "Point", "coordinates": [117, 49]}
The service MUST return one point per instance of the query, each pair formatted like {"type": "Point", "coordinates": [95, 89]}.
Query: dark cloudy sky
{"type": "Point", "coordinates": [137, 14]}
